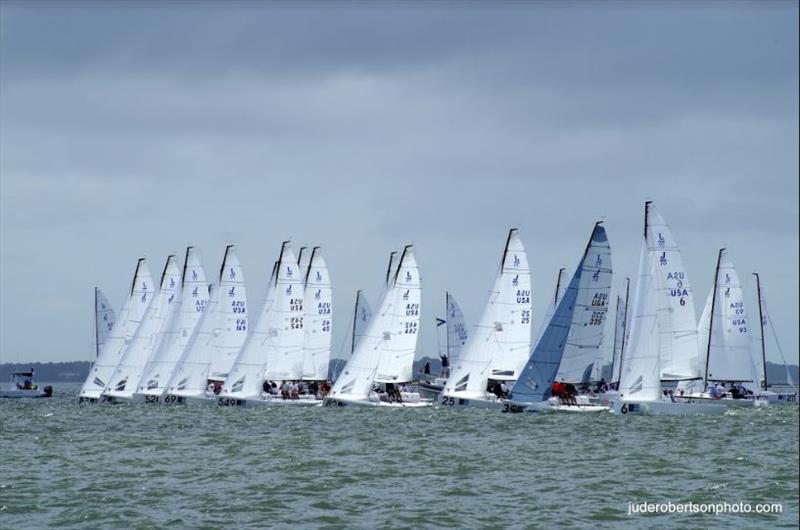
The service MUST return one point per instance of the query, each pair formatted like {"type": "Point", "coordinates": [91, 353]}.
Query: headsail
{"type": "Point", "coordinates": [620, 332]}
{"type": "Point", "coordinates": [576, 325]}
{"type": "Point", "coordinates": [457, 333]}
{"type": "Point", "coordinates": [104, 318]}
{"type": "Point", "coordinates": [179, 329]}
{"type": "Point", "coordinates": [500, 342]}
{"type": "Point", "coordinates": [130, 316]}
{"type": "Point", "coordinates": [128, 372]}
{"type": "Point", "coordinates": [219, 334]}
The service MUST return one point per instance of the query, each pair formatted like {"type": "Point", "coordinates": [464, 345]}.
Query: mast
{"type": "Point", "coordinates": [761, 323]}
{"type": "Point", "coordinates": [300, 255]}
{"type": "Point", "coordinates": [224, 259]}
{"type": "Point", "coordinates": [447, 325]}
{"type": "Point", "coordinates": [96, 323]}
{"type": "Point", "coordinates": [185, 262]}
{"type": "Point", "coordinates": [558, 286]}
{"type": "Point", "coordinates": [389, 267]}
{"type": "Point", "coordinates": [136, 274]}
{"type": "Point", "coordinates": [310, 261]}
{"type": "Point", "coordinates": [355, 323]}
{"type": "Point", "coordinates": [613, 351]}
{"type": "Point", "coordinates": [625, 327]}
{"type": "Point", "coordinates": [711, 317]}
{"type": "Point", "coordinates": [505, 249]}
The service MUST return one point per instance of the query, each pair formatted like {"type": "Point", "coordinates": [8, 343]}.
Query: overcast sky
{"type": "Point", "coordinates": [131, 130]}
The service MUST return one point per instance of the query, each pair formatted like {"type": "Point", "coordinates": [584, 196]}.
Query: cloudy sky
{"type": "Point", "coordinates": [132, 130]}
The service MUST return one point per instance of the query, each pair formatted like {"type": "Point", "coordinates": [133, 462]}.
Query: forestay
{"type": "Point", "coordinates": [179, 329]}
{"type": "Point", "coordinates": [500, 342]}
{"type": "Point", "coordinates": [130, 317]}
{"type": "Point", "coordinates": [128, 373]}
{"type": "Point", "coordinates": [219, 334]}
{"type": "Point", "coordinates": [577, 322]}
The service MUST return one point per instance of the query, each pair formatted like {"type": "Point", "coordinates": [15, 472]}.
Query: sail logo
{"type": "Point", "coordinates": [676, 276]}
{"type": "Point", "coordinates": [172, 283]}
{"type": "Point", "coordinates": [595, 275]}
{"type": "Point", "coordinates": [516, 261]}
{"type": "Point", "coordinates": [728, 292]}
{"type": "Point", "coordinates": [405, 294]}
{"type": "Point", "coordinates": [318, 294]}
{"type": "Point", "coordinates": [599, 261]}
{"type": "Point", "coordinates": [661, 241]}
{"type": "Point", "coordinates": [408, 276]}
{"type": "Point", "coordinates": [319, 276]}
{"type": "Point", "coordinates": [144, 297]}
{"type": "Point", "coordinates": [171, 297]}
{"type": "Point", "coordinates": [289, 290]}
{"type": "Point", "coordinates": [663, 259]}
{"type": "Point", "coordinates": [194, 274]}
{"type": "Point", "coordinates": [515, 281]}
{"type": "Point", "coordinates": [289, 272]}
{"type": "Point", "coordinates": [232, 291]}
{"type": "Point", "coordinates": [194, 292]}
{"type": "Point", "coordinates": [232, 274]}
{"type": "Point", "coordinates": [727, 278]}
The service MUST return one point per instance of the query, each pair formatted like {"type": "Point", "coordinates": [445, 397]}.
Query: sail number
{"type": "Point", "coordinates": [241, 324]}
{"type": "Point", "coordinates": [600, 300]}
{"type": "Point", "coordinates": [526, 317]}
{"type": "Point", "coordinates": [523, 296]}
{"type": "Point", "coordinates": [296, 304]}
{"type": "Point", "coordinates": [597, 318]}
{"type": "Point", "coordinates": [411, 328]}
{"type": "Point", "coordinates": [324, 308]}
{"type": "Point", "coordinates": [326, 325]}
{"type": "Point", "coordinates": [412, 309]}
{"type": "Point", "coordinates": [200, 305]}
{"type": "Point", "coordinates": [296, 323]}
{"type": "Point", "coordinates": [238, 306]}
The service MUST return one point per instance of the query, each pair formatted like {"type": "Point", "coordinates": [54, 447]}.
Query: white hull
{"type": "Point", "coordinates": [150, 399]}
{"type": "Point", "coordinates": [487, 402]}
{"type": "Point", "coordinates": [728, 401]}
{"type": "Point", "coordinates": [779, 397]}
{"type": "Point", "coordinates": [268, 401]}
{"type": "Point", "coordinates": [15, 394]}
{"type": "Point", "coordinates": [196, 401]}
{"type": "Point", "coordinates": [117, 398]}
{"type": "Point", "coordinates": [667, 408]}
{"type": "Point", "coordinates": [410, 401]}
{"type": "Point", "coordinates": [431, 389]}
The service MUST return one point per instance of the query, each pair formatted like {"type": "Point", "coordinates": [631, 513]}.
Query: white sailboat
{"type": "Point", "coordinates": [761, 331]}
{"type": "Point", "coordinates": [219, 336]}
{"type": "Point", "coordinates": [500, 343]}
{"type": "Point", "coordinates": [725, 340]}
{"type": "Point", "coordinates": [620, 334]}
{"type": "Point", "coordinates": [653, 330]}
{"type": "Point", "coordinates": [128, 321]}
{"type": "Point", "coordinates": [362, 314]}
{"type": "Point", "coordinates": [177, 332]}
{"type": "Point", "coordinates": [125, 379]}
{"type": "Point", "coordinates": [456, 335]}
{"type": "Point", "coordinates": [318, 320]}
{"type": "Point", "coordinates": [104, 318]}
{"type": "Point", "coordinates": [577, 325]}
{"type": "Point", "coordinates": [383, 358]}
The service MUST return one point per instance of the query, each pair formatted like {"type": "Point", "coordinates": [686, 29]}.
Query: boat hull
{"type": "Point", "coordinates": [269, 401]}
{"type": "Point", "coordinates": [367, 402]}
{"type": "Point", "coordinates": [456, 402]}
{"type": "Point", "coordinates": [667, 408]}
{"type": "Point", "coordinates": [196, 401]}
{"type": "Point", "coordinates": [24, 394]}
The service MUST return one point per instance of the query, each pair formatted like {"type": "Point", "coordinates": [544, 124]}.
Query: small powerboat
{"type": "Point", "coordinates": [23, 386]}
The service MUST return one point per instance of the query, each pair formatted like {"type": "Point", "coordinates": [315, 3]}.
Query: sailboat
{"type": "Point", "coordinates": [725, 339]}
{"type": "Point", "coordinates": [104, 318]}
{"type": "Point", "coordinates": [456, 335]}
{"type": "Point", "coordinates": [219, 336]}
{"type": "Point", "coordinates": [764, 319]}
{"type": "Point", "coordinates": [318, 319]}
{"type": "Point", "coordinates": [128, 321]}
{"type": "Point", "coordinates": [178, 330]}
{"type": "Point", "coordinates": [661, 282]}
{"type": "Point", "coordinates": [577, 325]}
{"type": "Point", "coordinates": [382, 361]}
{"type": "Point", "coordinates": [125, 379]}
{"type": "Point", "coordinates": [500, 343]}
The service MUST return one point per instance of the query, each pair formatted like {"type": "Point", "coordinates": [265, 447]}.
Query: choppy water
{"type": "Point", "coordinates": [70, 465]}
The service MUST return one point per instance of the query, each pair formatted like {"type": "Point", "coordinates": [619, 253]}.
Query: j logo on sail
{"type": "Point", "coordinates": [663, 259]}
{"type": "Point", "coordinates": [598, 262]}
{"type": "Point", "coordinates": [408, 276]}
{"type": "Point", "coordinates": [318, 294]}
{"type": "Point", "coordinates": [232, 291]}
{"type": "Point", "coordinates": [728, 292]}
{"type": "Point", "coordinates": [194, 274]}
{"type": "Point", "coordinates": [516, 261]}
{"type": "Point", "coordinates": [289, 291]}
{"type": "Point", "coordinates": [405, 295]}
{"type": "Point", "coordinates": [288, 271]}
{"type": "Point", "coordinates": [515, 281]}
{"type": "Point", "coordinates": [232, 274]}
{"type": "Point", "coordinates": [194, 292]}
{"type": "Point", "coordinates": [661, 241]}
{"type": "Point", "coordinates": [319, 276]}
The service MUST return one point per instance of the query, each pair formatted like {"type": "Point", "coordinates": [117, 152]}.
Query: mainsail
{"type": "Point", "coordinates": [130, 316]}
{"type": "Point", "coordinates": [318, 319]}
{"type": "Point", "coordinates": [219, 334]}
{"type": "Point", "coordinates": [675, 302]}
{"type": "Point", "coordinates": [620, 332]}
{"type": "Point", "coordinates": [179, 329]}
{"type": "Point", "coordinates": [104, 318]}
{"type": "Point", "coordinates": [386, 352]}
{"type": "Point", "coordinates": [128, 372]}
{"type": "Point", "coordinates": [456, 329]}
{"type": "Point", "coordinates": [576, 325]}
{"type": "Point", "coordinates": [727, 343]}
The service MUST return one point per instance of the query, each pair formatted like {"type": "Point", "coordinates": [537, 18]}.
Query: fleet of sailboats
{"type": "Point", "coordinates": [187, 341]}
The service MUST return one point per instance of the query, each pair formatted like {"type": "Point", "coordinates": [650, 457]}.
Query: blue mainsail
{"type": "Point", "coordinates": [536, 380]}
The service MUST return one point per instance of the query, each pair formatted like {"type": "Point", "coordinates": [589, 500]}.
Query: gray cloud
{"type": "Point", "coordinates": [134, 129]}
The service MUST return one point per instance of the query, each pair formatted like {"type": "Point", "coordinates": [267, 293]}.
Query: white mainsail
{"type": "Point", "coordinates": [675, 302]}
{"type": "Point", "coordinates": [729, 352]}
{"type": "Point", "coordinates": [104, 318]}
{"type": "Point", "coordinates": [318, 320]}
{"type": "Point", "coordinates": [361, 319]}
{"type": "Point", "coordinates": [500, 342]}
{"type": "Point", "coordinates": [457, 333]}
{"type": "Point", "coordinates": [128, 372]}
{"type": "Point", "coordinates": [130, 316]}
{"type": "Point", "coordinates": [582, 351]}
{"type": "Point", "coordinates": [274, 349]}
{"type": "Point", "coordinates": [390, 341]}
{"type": "Point", "coordinates": [179, 329]}
{"type": "Point", "coordinates": [219, 335]}
{"type": "Point", "coordinates": [620, 332]}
